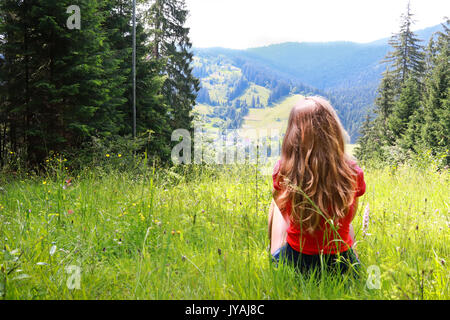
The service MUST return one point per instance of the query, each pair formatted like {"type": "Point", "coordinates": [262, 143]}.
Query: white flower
{"type": "Point", "coordinates": [366, 218]}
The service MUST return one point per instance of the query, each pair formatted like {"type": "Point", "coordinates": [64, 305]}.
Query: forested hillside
{"type": "Point", "coordinates": [232, 84]}
{"type": "Point", "coordinates": [347, 73]}
{"type": "Point", "coordinates": [69, 90]}
{"type": "Point", "coordinates": [411, 115]}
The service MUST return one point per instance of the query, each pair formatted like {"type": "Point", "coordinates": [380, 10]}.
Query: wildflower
{"type": "Point", "coordinates": [70, 212]}
{"type": "Point", "coordinates": [173, 232]}
{"type": "Point", "coordinates": [119, 155]}
{"type": "Point", "coordinates": [44, 182]}
{"type": "Point", "coordinates": [107, 155]}
{"type": "Point", "coordinates": [366, 218]}
{"type": "Point", "coordinates": [178, 232]}
{"type": "Point", "coordinates": [219, 251]}
{"type": "Point", "coordinates": [141, 216]}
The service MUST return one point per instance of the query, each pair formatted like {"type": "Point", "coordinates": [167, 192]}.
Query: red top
{"type": "Point", "coordinates": [323, 238]}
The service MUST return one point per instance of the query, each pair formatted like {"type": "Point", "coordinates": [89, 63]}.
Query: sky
{"type": "Point", "coordinates": [240, 24]}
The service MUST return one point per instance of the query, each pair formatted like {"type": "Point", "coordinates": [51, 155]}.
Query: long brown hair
{"type": "Point", "coordinates": [315, 172]}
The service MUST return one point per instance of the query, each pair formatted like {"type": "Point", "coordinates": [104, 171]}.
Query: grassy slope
{"type": "Point", "coordinates": [255, 91]}
{"type": "Point", "coordinates": [120, 233]}
{"type": "Point", "coordinates": [271, 118]}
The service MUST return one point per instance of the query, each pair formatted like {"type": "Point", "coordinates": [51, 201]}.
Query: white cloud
{"type": "Point", "coordinates": [250, 23]}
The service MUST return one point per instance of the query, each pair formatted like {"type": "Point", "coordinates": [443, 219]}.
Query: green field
{"type": "Point", "coordinates": [254, 91]}
{"type": "Point", "coordinates": [272, 117]}
{"type": "Point", "coordinates": [201, 233]}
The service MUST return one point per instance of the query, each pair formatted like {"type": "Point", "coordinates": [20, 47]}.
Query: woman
{"type": "Point", "coordinates": [315, 191]}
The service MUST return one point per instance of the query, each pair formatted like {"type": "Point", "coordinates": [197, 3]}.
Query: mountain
{"type": "Point", "coordinates": [346, 73]}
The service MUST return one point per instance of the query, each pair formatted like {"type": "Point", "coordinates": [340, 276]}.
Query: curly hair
{"type": "Point", "coordinates": [315, 173]}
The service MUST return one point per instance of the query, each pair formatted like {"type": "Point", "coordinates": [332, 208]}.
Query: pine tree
{"type": "Point", "coordinates": [57, 77]}
{"type": "Point", "coordinates": [411, 139]}
{"type": "Point", "coordinates": [400, 91]}
{"type": "Point", "coordinates": [171, 44]}
{"type": "Point", "coordinates": [407, 58]}
{"type": "Point", "coordinates": [385, 104]}
{"type": "Point", "coordinates": [369, 142]}
{"type": "Point", "coordinates": [436, 128]}
{"type": "Point", "coordinates": [151, 109]}
{"type": "Point", "coordinates": [404, 108]}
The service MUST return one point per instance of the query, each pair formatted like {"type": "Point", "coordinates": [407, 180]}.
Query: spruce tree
{"type": "Point", "coordinates": [404, 108]}
{"type": "Point", "coordinates": [436, 128]}
{"type": "Point", "coordinates": [369, 144]}
{"type": "Point", "coordinates": [384, 105]}
{"type": "Point", "coordinates": [151, 110]}
{"type": "Point", "coordinates": [407, 58]}
{"type": "Point", "coordinates": [171, 44]}
{"type": "Point", "coordinates": [56, 77]}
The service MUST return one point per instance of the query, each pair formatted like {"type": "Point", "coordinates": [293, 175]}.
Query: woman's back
{"type": "Point", "coordinates": [315, 183]}
{"type": "Point", "coordinates": [324, 239]}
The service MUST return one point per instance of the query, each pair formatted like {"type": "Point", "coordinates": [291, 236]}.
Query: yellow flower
{"type": "Point", "coordinates": [44, 182]}
{"type": "Point", "coordinates": [141, 216]}
{"type": "Point", "coordinates": [178, 232]}
{"type": "Point", "coordinates": [107, 155]}
{"type": "Point", "coordinates": [119, 155]}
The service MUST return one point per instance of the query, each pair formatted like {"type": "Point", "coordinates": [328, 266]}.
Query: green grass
{"type": "Point", "coordinates": [254, 91]}
{"type": "Point", "coordinates": [220, 82]}
{"type": "Point", "coordinates": [201, 233]}
{"type": "Point", "coordinates": [271, 118]}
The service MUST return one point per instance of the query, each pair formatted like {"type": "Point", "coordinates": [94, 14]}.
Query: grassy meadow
{"type": "Point", "coordinates": [275, 117]}
{"type": "Point", "coordinates": [200, 232]}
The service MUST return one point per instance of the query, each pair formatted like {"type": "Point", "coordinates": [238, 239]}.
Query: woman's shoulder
{"type": "Point", "coordinates": [361, 184]}
{"type": "Point", "coordinates": [276, 171]}
{"type": "Point", "coordinates": [354, 165]}
{"type": "Point", "coordinates": [276, 168]}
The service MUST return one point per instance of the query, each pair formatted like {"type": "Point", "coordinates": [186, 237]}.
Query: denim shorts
{"type": "Point", "coordinates": [339, 263]}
